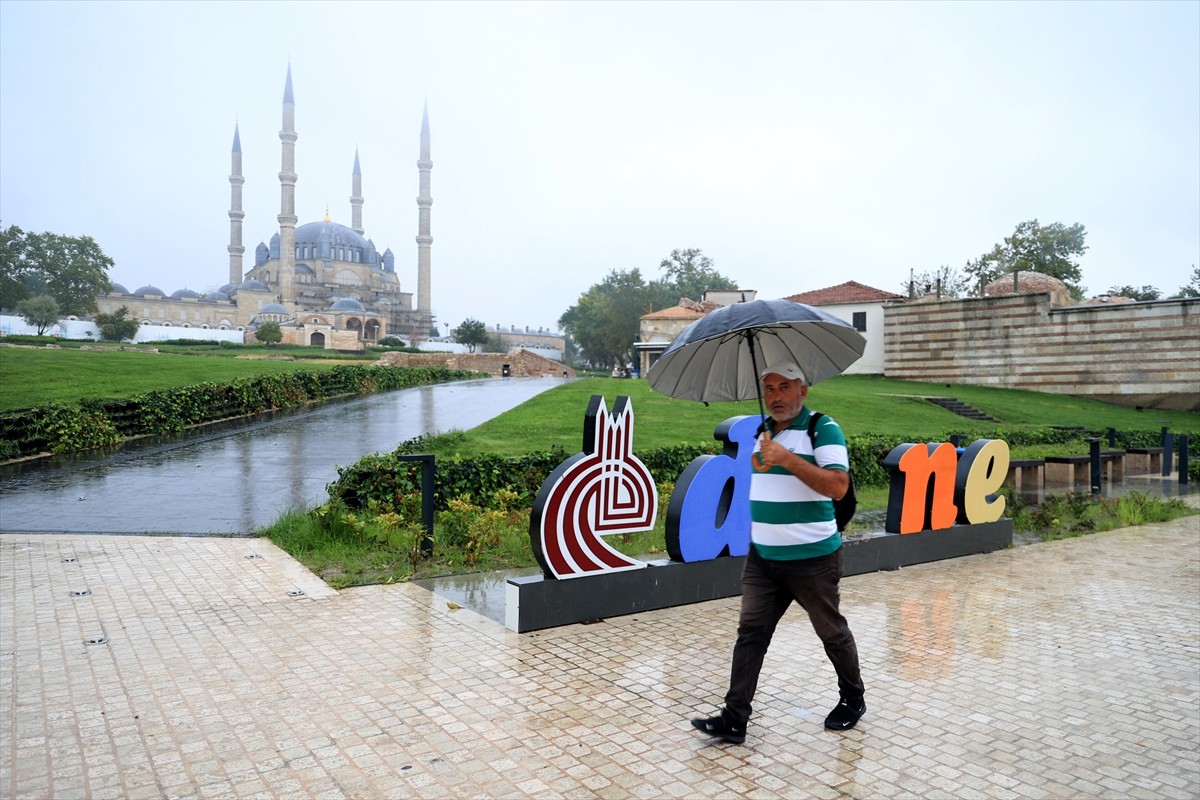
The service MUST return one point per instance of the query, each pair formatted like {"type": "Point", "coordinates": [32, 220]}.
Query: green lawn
{"type": "Point", "coordinates": [30, 377]}
{"type": "Point", "coordinates": [861, 403]}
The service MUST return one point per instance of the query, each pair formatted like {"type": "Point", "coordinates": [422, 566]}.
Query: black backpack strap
{"type": "Point", "coordinates": [813, 418]}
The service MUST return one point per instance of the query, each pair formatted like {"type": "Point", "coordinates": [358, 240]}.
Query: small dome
{"type": "Point", "coordinates": [216, 295]}
{"type": "Point", "coordinates": [185, 293]}
{"type": "Point", "coordinates": [347, 304]}
{"type": "Point", "coordinates": [273, 308]}
{"type": "Point", "coordinates": [148, 290]}
{"type": "Point", "coordinates": [304, 269]}
{"type": "Point", "coordinates": [1030, 283]}
{"type": "Point", "coordinates": [254, 286]}
{"type": "Point", "coordinates": [118, 289]}
{"type": "Point", "coordinates": [227, 288]}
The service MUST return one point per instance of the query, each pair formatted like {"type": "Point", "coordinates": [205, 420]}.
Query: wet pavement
{"type": "Point", "coordinates": [200, 667]}
{"type": "Point", "coordinates": [237, 478]}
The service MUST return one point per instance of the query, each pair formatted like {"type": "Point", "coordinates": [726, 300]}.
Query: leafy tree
{"type": "Point", "coordinates": [688, 273]}
{"type": "Point", "coordinates": [472, 333]}
{"type": "Point", "coordinates": [391, 341]}
{"type": "Point", "coordinates": [41, 312]}
{"type": "Point", "coordinates": [603, 323]}
{"type": "Point", "coordinates": [269, 333]}
{"type": "Point", "coordinates": [1052, 250]}
{"type": "Point", "coordinates": [1193, 287]}
{"type": "Point", "coordinates": [117, 326]}
{"type": "Point", "coordinates": [1145, 293]}
{"type": "Point", "coordinates": [71, 269]}
{"type": "Point", "coordinates": [954, 282]}
{"type": "Point", "coordinates": [12, 257]}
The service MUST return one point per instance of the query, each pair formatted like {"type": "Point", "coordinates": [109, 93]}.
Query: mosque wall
{"type": "Point", "coordinates": [1133, 354]}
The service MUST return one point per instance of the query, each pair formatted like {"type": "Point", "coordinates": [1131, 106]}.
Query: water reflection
{"type": "Point", "coordinates": [236, 478]}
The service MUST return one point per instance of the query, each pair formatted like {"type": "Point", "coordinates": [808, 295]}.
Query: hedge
{"type": "Point", "coordinates": [384, 479]}
{"type": "Point", "coordinates": [72, 427]}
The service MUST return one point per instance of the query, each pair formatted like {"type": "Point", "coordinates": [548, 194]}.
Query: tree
{"type": "Point", "coordinates": [41, 312]}
{"type": "Point", "coordinates": [603, 323]}
{"type": "Point", "coordinates": [1193, 287]}
{"type": "Point", "coordinates": [116, 327]}
{"type": "Point", "coordinates": [954, 282]}
{"type": "Point", "coordinates": [1145, 293]}
{"type": "Point", "coordinates": [472, 333]}
{"type": "Point", "coordinates": [71, 269]}
{"type": "Point", "coordinates": [688, 273]}
{"type": "Point", "coordinates": [269, 333]}
{"type": "Point", "coordinates": [1052, 250]}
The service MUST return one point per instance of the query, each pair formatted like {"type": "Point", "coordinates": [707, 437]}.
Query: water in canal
{"type": "Point", "coordinates": [239, 477]}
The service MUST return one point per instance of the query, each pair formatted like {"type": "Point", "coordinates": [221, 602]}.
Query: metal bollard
{"type": "Point", "coordinates": [1094, 452]}
{"type": "Point", "coordinates": [1183, 460]}
{"type": "Point", "coordinates": [1168, 448]}
{"type": "Point", "coordinates": [428, 485]}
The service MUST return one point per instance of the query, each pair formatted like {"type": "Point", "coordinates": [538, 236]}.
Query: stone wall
{"type": "Point", "coordinates": [522, 363]}
{"type": "Point", "coordinates": [1135, 354]}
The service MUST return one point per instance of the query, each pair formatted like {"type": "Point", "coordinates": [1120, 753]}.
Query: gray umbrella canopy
{"type": "Point", "coordinates": [718, 357]}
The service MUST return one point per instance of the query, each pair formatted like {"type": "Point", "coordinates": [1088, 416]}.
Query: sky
{"type": "Point", "coordinates": [797, 144]}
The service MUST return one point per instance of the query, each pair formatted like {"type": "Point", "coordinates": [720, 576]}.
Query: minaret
{"type": "Point", "coordinates": [424, 240]}
{"type": "Point", "coordinates": [236, 215]}
{"type": "Point", "coordinates": [287, 205]}
{"type": "Point", "coordinates": [356, 198]}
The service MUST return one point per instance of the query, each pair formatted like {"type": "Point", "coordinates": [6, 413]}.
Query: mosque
{"type": "Point", "coordinates": [326, 284]}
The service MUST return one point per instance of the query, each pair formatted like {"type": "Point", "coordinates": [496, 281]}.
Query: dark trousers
{"type": "Point", "coordinates": [768, 588]}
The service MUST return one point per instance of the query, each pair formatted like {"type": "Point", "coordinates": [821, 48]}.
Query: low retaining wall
{"type": "Point", "coordinates": [521, 363]}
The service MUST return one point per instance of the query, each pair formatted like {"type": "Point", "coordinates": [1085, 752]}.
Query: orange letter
{"type": "Point", "coordinates": [910, 508]}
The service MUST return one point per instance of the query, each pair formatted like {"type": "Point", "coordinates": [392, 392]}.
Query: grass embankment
{"type": "Point", "coordinates": [31, 377]}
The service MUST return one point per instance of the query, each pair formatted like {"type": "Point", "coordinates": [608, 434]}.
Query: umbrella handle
{"type": "Point", "coordinates": [758, 464]}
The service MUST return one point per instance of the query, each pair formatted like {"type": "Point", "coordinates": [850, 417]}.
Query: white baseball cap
{"type": "Point", "coordinates": [787, 369]}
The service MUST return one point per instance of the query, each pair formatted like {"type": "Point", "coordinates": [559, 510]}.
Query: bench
{"type": "Point", "coordinates": [1022, 471]}
{"type": "Point", "coordinates": [1145, 459]}
{"type": "Point", "coordinates": [1112, 462]}
{"type": "Point", "coordinates": [1070, 470]}
{"type": "Point", "coordinates": [1073, 470]}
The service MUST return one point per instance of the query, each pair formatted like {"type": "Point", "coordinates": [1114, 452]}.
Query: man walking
{"type": "Point", "coordinates": [795, 552]}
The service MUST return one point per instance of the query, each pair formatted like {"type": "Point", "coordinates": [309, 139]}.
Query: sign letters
{"type": "Point", "coordinates": [607, 490]}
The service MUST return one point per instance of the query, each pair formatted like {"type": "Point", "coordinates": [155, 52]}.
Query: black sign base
{"type": "Point", "coordinates": [533, 602]}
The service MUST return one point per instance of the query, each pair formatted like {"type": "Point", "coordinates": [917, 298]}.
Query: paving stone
{"type": "Point", "coordinates": [1061, 669]}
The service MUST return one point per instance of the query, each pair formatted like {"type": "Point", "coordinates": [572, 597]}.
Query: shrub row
{"type": "Point", "coordinates": [72, 427]}
{"type": "Point", "coordinates": [385, 479]}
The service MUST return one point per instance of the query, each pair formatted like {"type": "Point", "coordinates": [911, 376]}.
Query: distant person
{"type": "Point", "coordinates": [795, 552]}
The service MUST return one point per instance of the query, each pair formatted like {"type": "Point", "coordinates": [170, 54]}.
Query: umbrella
{"type": "Point", "coordinates": [718, 357]}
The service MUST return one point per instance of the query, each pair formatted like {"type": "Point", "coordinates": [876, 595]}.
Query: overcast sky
{"type": "Point", "coordinates": [799, 145]}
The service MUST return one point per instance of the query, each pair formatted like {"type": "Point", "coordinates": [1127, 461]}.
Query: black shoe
{"type": "Point", "coordinates": [718, 726]}
{"type": "Point", "coordinates": [845, 715]}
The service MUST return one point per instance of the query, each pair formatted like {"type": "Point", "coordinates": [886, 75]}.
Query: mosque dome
{"type": "Point", "coordinates": [304, 269]}
{"type": "Point", "coordinates": [118, 289]}
{"type": "Point", "coordinates": [185, 294]}
{"type": "Point", "coordinates": [227, 288]}
{"type": "Point", "coordinates": [148, 290]}
{"type": "Point", "coordinates": [254, 286]}
{"type": "Point", "coordinates": [272, 308]}
{"type": "Point", "coordinates": [327, 231]}
{"type": "Point", "coordinates": [347, 304]}
{"type": "Point", "coordinates": [216, 295]}
{"type": "Point", "coordinates": [1030, 283]}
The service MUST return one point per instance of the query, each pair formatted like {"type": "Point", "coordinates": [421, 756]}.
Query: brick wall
{"type": "Point", "coordinates": [1135, 354]}
{"type": "Point", "coordinates": [522, 363]}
